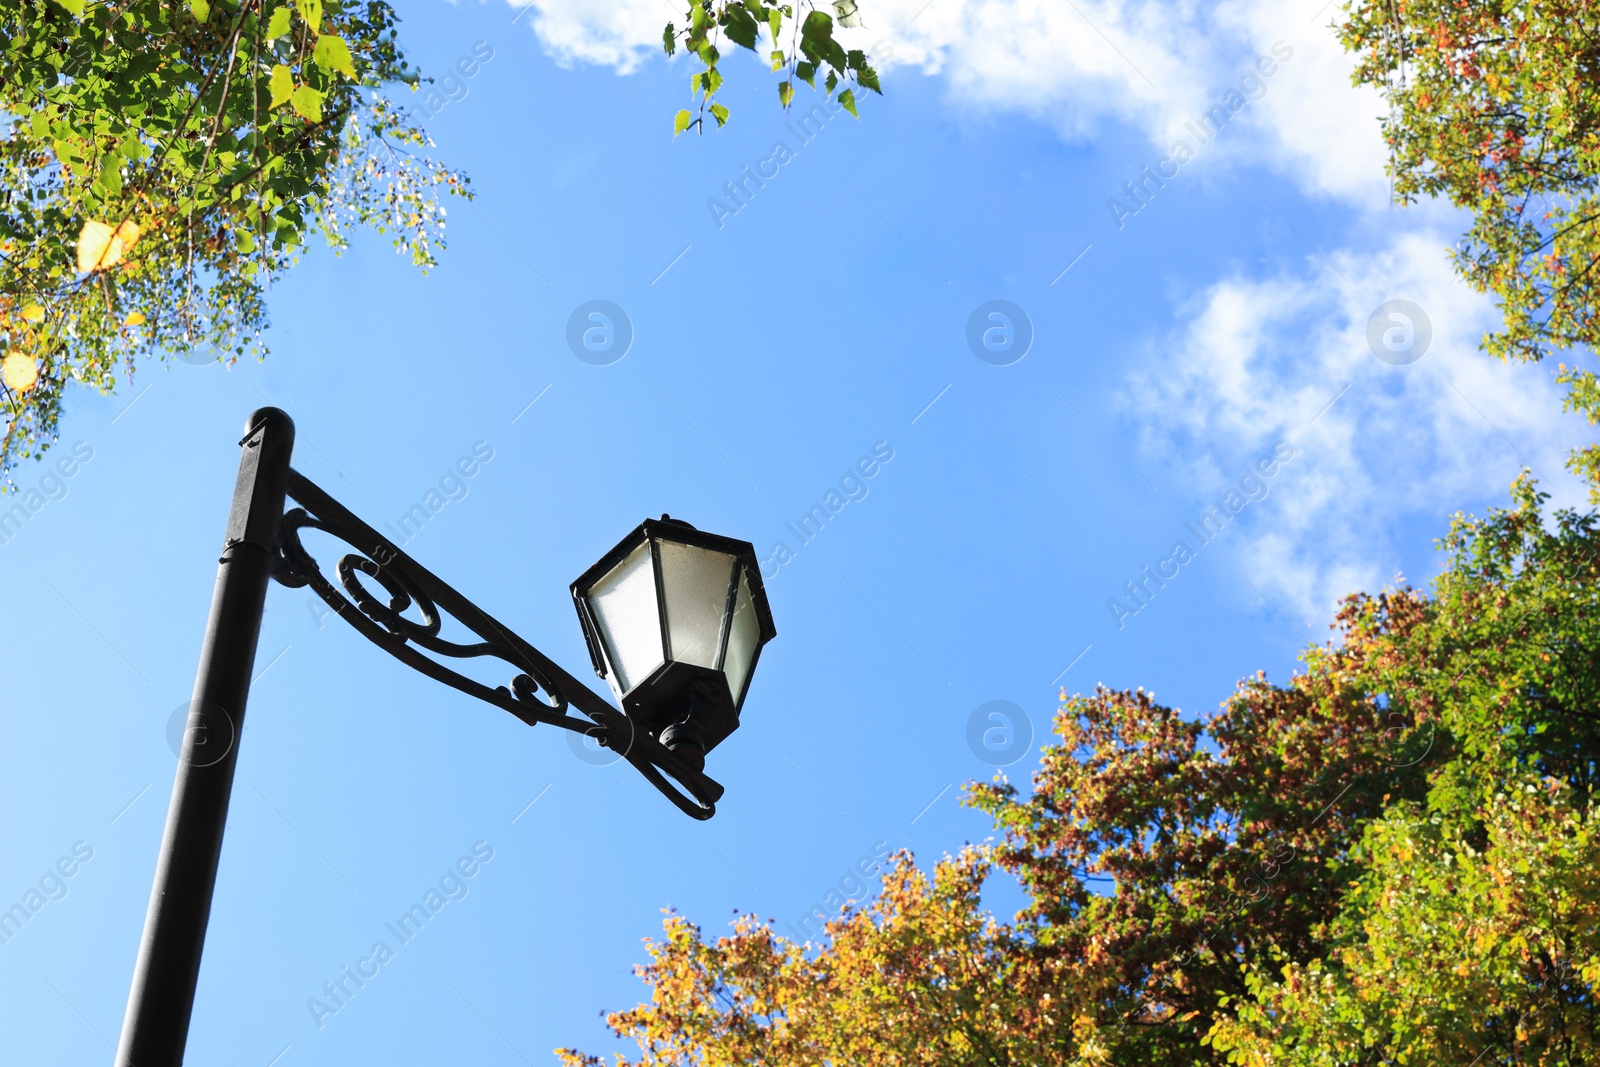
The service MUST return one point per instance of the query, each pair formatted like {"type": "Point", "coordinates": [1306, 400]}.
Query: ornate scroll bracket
{"type": "Point", "coordinates": [539, 692]}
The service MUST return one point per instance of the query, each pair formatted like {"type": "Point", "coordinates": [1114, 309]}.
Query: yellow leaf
{"type": "Point", "coordinates": [332, 54]}
{"type": "Point", "coordinates": [33, 313]}
{"type": "Point", "coordinates": [99, 246]}
{"type": "Point", "coordinates": [282, 84]}
{"type": "Point", "coordinates": [307, 103]}
{"type": "Point", "coordinates": [20, 372]}
{"type": "Point", "coordinates": [135, 318]}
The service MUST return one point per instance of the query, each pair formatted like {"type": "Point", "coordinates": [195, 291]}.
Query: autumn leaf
{"type": "Point", "coordinates": [278, 24]}
{"type": "Point", "coordinates": [33, 313]}
{"type": "Point", "coordinates": [135, 318]}
{"type": "Point", "coordinates": [281, 83]}
{"type": "Point", "coordinates": [20, 372]}
{"type": "Point", "coordinates": [99, 246]}
{"type": "Point", "coordinates": [332, 54]}
{"type": "Point", "coordinates": [310, 11]}
{"type": "Point", "coordinates": [307, 103]}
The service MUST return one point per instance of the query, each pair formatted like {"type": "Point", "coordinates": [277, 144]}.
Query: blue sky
{"type": "Point", "coordinates": [1174, 348]}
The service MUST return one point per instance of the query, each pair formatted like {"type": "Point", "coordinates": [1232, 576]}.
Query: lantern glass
{"type": "Point", "coordinates": [744, 637]}
{"type": "Point", "coordinates": [626, 611]}
{"type": "Point", "coordinates": [696, 582]}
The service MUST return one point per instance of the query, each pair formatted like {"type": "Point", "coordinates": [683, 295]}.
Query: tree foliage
{"type": "Point", "coordinates": [1496, 106]}
{"type": "Point", "coordinates": [921, 976]}
{"type": "Point", "coordinates": [163, 161]}
{"type": "Point", "coordinates": [1388, 859]}
{"type": "Point", "coordinates": [801, 45]}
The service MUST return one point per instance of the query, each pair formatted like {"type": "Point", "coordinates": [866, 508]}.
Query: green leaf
{"type": "Point", "coordinates": [307, 103]}
{"type": "Point", "coordinates": [332, 54]}
{"type": "Point", "coordinates": [817, 27]}
{"type": "Point", "coordinates": [278, 24]}
{"type": "Point", "coordinates": [848, 100]}
{"type": "Point", "coordinates": [246, 242]}
{"type": "Point", "coordinates": [200, 9]}
{"type": "Point", "coordinates": [681, 122]}
{"type": "Point", "coordinates": [775, 22]}
{"type": "Point", "coordinates": [110, 177]}
{"type": "Point", "coordinates": [310, 12]}
{"type": "Point", "coordinates": [742, 29]}
{"type": "Point", "coordinates": [669, 40]}
{"type": "Point", "coordinates": [74, 6]}
{"type": "Point", "coordinates": [785, 92]}
{"type": "Point", "coordinates": [777, 60]}
{"type": "Point", "coordinates": [281, 84]}
{"type": "Point", "coordinates": [806, 72]}
{"type": "Point", "coordinates": [832, 83]}
{"type": "Point", "coordinates": [868, 77]}
{"type": "Point", "coordinates": [719, 113]}
{"type": "Point", "coordinates": [709, 54]}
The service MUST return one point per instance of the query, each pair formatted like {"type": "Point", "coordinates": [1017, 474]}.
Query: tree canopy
{"type": "Point", "coordinates": [164, 161]}
{"type": "Point", "coordinates": [1387, 859]}
{"type": "Point", "coordinates": [1496, 106]}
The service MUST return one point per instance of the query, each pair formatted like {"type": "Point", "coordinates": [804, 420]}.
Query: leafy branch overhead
{"type": "Point", "coordinates": [1495, 107]}
{"type": "Point", "coordinates": [800, 47]}
{"type": "Point", "coordinates": [169, 161]}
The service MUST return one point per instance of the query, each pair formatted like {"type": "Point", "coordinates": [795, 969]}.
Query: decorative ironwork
{"type": "Point", "coordinates": [540, 691]}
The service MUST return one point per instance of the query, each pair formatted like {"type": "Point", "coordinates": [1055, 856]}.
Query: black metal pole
{"type": "Point", "coordinates": [157, 1023]}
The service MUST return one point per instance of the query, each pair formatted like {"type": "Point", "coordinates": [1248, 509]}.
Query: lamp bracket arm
{"type": "Point", "coordinates": [541, 691]}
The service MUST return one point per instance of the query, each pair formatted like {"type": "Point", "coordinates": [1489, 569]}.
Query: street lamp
{"type": "Point", "coordinates": [674, 618]}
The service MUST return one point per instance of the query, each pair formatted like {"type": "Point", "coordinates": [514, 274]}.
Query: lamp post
{"type": "Point", "coordinates": [674, 618]}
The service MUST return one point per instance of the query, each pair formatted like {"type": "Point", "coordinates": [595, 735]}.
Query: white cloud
{"type": "Point", "coordinates": [1258, 359]}
{"type": "Point", "coordinates": [1259, 356]}
{"type": "Point", "coordinates": [608, 33]}
{"type": "Point", "coordinates": [1076, 63]}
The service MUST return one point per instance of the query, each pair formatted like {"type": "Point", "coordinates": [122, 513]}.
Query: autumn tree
{"type": "Point", "coordinates": [1270, 883]}
{"type": "Point", "coordinates": [1496, 107]}
{"type": "Point", "coordinates": [1470, 929]}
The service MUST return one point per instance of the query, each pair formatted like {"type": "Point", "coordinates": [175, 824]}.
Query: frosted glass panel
{"type": "Point", "coordinates": [743, 636]}
{"type": "Point", "coordinates": [695, 581]}
{"type": "Point", "coordinates": [624, 607]}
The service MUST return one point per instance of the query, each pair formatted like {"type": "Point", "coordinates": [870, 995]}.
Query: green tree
{"type": "Point", "coordinates": [1496, 106]}
{"type": "Point", "coordinates": [163, 161]}
{"type": "Point", "coordinates": [1470, 931]}
{"type": "Point", "coordinates": [1462, 942]}
{"type": "Point", "coordinates": [1277, 880]}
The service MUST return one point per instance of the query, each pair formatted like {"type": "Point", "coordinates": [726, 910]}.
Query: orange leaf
{"type": "Point", "coordinates": [99, 246]}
